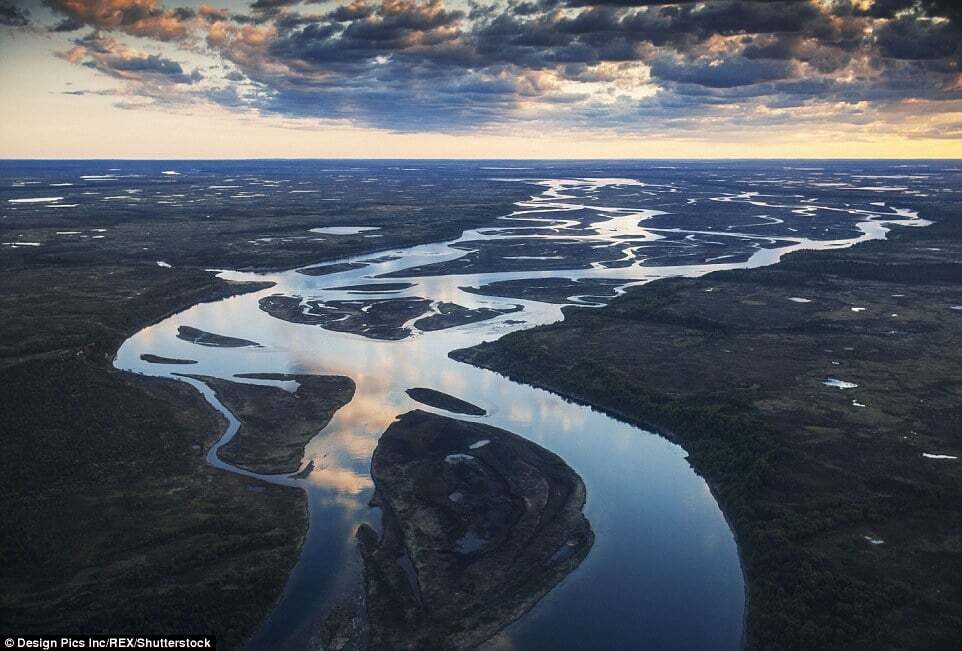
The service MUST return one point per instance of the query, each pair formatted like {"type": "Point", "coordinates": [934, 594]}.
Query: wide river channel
{"type": "Point", "coordinates": [664, 571]}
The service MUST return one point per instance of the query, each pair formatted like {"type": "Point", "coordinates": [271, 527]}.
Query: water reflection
{"type": "Point", "coordinates": [664, 569]}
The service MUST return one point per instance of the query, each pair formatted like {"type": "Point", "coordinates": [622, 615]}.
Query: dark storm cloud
{"type": "Point", "coordinates": [353, 11]}
{"type": "Point", "coordinates": [888, 9]}
{"type": "Point", "coordinates": [726, 74]}
{"type": "Point", "coordinates": [357, 33]}
{"type": "Point", "coordinates": [605, 33]}
{"type": "Point", "coordinates": [273, 5]}
{"type": "Point", "coordinates": [424, 57]}
{"type": "Point", "coordinates": [454, 104]}
{"type": "Point", "coordinates": [68, 25]}
{"type": "Point", "coordinates": [908, 38]}
{"type": "Point", "coordinates": [524, 8]}
{"type": "Point", "coordinates": [950, 9]}
{"type": "Point", "coordinates": [12, 16]}
{"type": "Point", "coordinates": [685, 23]}
{"type": "Point", "coordinates": [884, 8]}
{"type": "Point", "coordinates": [413, 65]}
{"type": "Point", "coordinates": [151, 63]}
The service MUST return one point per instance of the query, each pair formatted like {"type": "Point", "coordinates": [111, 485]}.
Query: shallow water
{"type": "Point", "coordinates": [664, 569]}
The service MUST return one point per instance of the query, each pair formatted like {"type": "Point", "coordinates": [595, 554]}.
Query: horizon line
{"type": "Point", "coordinates": [469, 158]}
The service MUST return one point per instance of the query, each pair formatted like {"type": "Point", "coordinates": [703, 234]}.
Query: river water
{"type": "Point", "coordinates": [664, 570]}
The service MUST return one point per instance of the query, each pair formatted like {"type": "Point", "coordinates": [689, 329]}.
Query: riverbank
{"type": "Point", "coordinates": [113, 520]}
{"type": "Point", "coordinates": [843, 499]}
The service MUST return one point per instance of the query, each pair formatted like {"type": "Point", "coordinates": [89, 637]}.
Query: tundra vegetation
{"type": "Point", "coordinates": [848, 534]}
{"type": "Point", "coordinates": [112, 519]}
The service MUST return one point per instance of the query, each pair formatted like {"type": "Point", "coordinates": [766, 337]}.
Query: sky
{"type": "Point", "coordinates": [481, 79]}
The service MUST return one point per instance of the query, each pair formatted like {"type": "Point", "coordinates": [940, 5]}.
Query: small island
{"type": "Point", "coordinates": [157, 359]}
{"type": "Point", "coordinates": [441, 400]}
{"type": "Point", "coordinates": [202, 338]}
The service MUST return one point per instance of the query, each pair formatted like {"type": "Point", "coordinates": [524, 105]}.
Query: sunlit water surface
{"type": "Point", "coordinates": [664, 571]}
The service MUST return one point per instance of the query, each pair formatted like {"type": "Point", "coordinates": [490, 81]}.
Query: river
{"type": "Point", "coordinates": [664, 571]}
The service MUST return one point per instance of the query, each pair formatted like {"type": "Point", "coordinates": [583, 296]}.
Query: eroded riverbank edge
{"type": "Point", "coordinates": [116, 522]}
{"type": "Point", "coordinates": [810, 481]}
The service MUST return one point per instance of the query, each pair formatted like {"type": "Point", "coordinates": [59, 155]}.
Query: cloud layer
{"type": "Point", "coordinates": [629, 66]}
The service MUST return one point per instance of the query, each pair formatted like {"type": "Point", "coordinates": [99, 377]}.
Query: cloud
{"type": "Point", "coordinates": [11, 16]}
{"type": "Point", "coordinates": [727, 73]}
{"type": "Point", "coordinates": [137, 17]}
{"type": "Point", "coordinates": [113, 58]}
{"type": "Point", "coordinates": [911, 38]}
{"type": "Point", "coordinates": [272, 5]}
{"type": "Point", "coordinates": [628, 65]}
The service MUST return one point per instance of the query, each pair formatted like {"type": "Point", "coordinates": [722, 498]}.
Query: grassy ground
{"type": "Point", "coordinates": [117, 524]}
{"type": "Point", "coordinates": [733, 369]}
